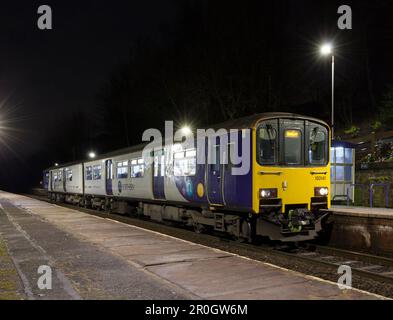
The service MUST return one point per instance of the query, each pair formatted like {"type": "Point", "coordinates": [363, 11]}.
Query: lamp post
{"type": "Point", "coordinates": [327, 49]}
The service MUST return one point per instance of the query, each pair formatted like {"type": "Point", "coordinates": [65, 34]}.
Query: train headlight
{"type": "Point", "coordinates": [268, 193]}
{"type": "Point", "coordinates": [321, 191]}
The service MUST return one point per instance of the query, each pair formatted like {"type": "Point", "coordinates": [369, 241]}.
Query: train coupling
{"type": "Point", "coordinates": [298, 219]}
{"type": "Point", "coordinates": [296, 225]}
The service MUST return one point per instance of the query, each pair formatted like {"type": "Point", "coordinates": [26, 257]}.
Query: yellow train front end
{"type": "Point", "coordinates": [291, 177]}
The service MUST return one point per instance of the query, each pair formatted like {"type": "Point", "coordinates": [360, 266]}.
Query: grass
{"type": "Point", "coordinates": [8, 276]}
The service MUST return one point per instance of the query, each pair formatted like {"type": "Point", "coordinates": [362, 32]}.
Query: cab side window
{"type": "Point", "coordinates": [317, 145]}
{"type": "Point", "coordinates": [267, 143]}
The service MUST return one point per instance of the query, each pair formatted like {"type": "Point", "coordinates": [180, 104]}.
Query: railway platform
{"type": "Point", "coordinates": [363, 228]}
{"type": "Point", "coordinates": [97, 258]}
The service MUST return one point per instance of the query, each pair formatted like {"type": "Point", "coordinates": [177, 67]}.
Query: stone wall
{"type": "Point", "coordinates": [369, 173]}
{"type": "Point", "coordinates": [369, 234]}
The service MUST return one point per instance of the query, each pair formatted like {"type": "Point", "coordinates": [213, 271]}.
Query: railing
{"type": "Point", "coordinates": [371, 186]}
{"type": "Point", "coordinates": [361, 185]}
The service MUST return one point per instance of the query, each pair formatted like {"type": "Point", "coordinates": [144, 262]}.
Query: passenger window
{"type": "Point", "coordinates": [184, 163]}
{"type": "Point", "coordinates": [122, 170]}
{"type": "Point", "coordinates": [97, 172]}
{"type": "Point", "coordinates": [60, 175]}
{"type": "Point", "coordinates": [159, 163]}
{"type": "Point", "coordinates": [137, 168]}
{"type": "Point", "coordinates": [69, 175]}
{"type": "Point", "coordinates": [89, 175]}
{"type": "Point", "coordinates": [292, 146]}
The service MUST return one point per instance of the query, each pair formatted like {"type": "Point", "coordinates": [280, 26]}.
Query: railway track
{"type": "Point", "coordinates": [371, 273]}
{"type": "Point", "coordinates": [373, 267]}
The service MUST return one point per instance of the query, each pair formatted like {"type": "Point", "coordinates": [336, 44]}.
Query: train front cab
{"type": "Point", "coordinates": [291, 177]}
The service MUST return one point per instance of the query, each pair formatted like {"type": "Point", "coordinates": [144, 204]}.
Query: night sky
{"type": "Point", "coordinates": [50, 73]}
{"type": "Point", "coordinates": [149, 61]}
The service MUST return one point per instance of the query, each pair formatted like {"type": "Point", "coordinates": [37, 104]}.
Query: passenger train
{"type": "Point", "coordinates": [284, 195]}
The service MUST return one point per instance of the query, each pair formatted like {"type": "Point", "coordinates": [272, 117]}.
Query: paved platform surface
{"type": "Point", "coordinates": [385, 213]}
{"type": "Point", "coordinates": [96, 258]}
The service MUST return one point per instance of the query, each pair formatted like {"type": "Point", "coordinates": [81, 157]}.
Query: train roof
{"type": "Point", "coordinates": [239, 123]}
{"type": "Point", "coordinates": [250, 121]}
{"type": "Point", "coordinates": [102, 156]}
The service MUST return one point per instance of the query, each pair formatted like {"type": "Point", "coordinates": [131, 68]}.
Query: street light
{"type": "Point", "coordinates": [186, 130]}
{"type": "Point", "coordinates": [92, 155]}
{"type": "Point", "coordinates": [326, 50]}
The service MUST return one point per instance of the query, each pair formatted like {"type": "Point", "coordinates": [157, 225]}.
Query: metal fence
{"type": "Point", "coordinates": [371, 188]}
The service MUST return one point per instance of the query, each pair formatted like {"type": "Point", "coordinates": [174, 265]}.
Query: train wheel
{"type": "Point", "coordinates": [249, 229]}
{"type": "Point", "coordinates": [86, 203]}
{"type": "Point", "coordinates": [199, 228]}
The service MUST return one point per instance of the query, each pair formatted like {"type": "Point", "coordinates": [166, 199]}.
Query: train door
{"type": "Point", "coordinates": [108, 177]}
{"type": "Point", "coordinates": [158, 174]}
{"type": "Point", "coordinates": [64, 175]}
{"type": "Point", "coordinates": [215, 173]}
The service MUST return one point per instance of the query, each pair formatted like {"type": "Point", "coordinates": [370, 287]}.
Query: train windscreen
{"type": "Point", "coordinates": [292, 143]}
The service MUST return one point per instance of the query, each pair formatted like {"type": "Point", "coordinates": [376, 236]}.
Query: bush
{"type": "Point", "coordinates": [386, 108]}
{"type": "Point", "coordinates": [353, 131]}
{"type": "Point", "coordinates": [380, 179]}
{"type": "Point", "coordinates": [383, 152]}
{"type": "Point", "coordinates": [376, 125]}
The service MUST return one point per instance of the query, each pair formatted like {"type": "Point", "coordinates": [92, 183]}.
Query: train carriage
{"type": "Point", "coordinates": [66, 182]}
{"type": "Point", "coordinates": [281, 193]}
